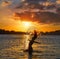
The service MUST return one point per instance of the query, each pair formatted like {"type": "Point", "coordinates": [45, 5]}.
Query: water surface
{"type": "Point", "coordinates": [12, 46]}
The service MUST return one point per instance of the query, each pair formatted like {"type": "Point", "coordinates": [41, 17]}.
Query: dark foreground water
{"type": "Point", "coordinates": [11, 47]}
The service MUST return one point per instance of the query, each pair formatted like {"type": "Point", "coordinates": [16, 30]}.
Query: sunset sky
{"type": "Point", "coordinates": [24, 15]}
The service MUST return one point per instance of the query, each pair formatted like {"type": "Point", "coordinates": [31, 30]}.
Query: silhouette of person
{"type": "Point", "coordinates": [30, 49]}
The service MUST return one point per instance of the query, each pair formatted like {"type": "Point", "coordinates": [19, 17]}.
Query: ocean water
{"type": "Point", "coordinates": [45, 47]}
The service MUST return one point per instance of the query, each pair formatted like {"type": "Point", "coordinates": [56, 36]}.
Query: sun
{"type": "Point", "coordinates": [26, 24]}
{"type": "Point", "coordinates": [29, 26]}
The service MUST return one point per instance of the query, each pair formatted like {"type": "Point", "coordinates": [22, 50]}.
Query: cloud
{"type": "Point", "coordinates": [36, 4]}
{"type": "Point", "coordinates": [34, 11]}
{"type": "Point", "coordinates": [30, 4]}
{"type": "Point", "coordinates": [58, 1]}
{"type": "Point", "coordinates": [41, 17]}
{"type": "Point", "coordinates": [52, 0]}
{"type": "Point", "coordinates": [5, 3]}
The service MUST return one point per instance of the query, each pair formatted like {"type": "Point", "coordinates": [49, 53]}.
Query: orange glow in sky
{"type": "Point", "coordinates": [24, 26]}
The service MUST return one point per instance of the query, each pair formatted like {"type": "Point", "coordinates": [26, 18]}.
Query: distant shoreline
{"type": "Point", "coordinates": [11, 32]}
{"type": "Point", "coordinates": [57, 32]}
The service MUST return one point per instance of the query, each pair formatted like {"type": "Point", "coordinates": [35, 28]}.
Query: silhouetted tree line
{"type": "Point", "coordinates": [2, 31]}
{"type": "Point", "coordinates": [57, 32]}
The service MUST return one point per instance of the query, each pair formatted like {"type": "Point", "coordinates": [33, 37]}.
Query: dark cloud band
{"type": "Point", "coordinates": [41, 17]}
